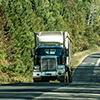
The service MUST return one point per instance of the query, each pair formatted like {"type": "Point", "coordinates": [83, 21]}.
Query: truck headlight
{"type": "Point", "coordinates": [61, 67]}
{"type": "Point", "coordinates": [36, 68]}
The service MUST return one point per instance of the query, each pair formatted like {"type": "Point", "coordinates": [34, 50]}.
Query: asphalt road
{"type": "Point", "coordinates": [85, 85]}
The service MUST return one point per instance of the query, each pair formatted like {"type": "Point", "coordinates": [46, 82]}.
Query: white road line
{"type": "Point", "coordinates": [84, 96]}
{"type": "Point", "coordinates": [97, 64]}
{"type": "Point", "coordinates": [65, 98]}
{"type": "Point", "coordinates": [79, 88]}
{"type": "Point", "coordinates": [28, 87]}
{"type": "Point", "coordinates": [74, 94]}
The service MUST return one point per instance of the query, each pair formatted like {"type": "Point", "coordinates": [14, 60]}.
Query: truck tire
{"type": "Point", "coordinates": [36, 80]}
{"type": "Point", "coordinates": [66, 78]}
{"type": "Point", "coordinates": [44, 80]}
{"type": "Point", "coordinates": [70, 77]}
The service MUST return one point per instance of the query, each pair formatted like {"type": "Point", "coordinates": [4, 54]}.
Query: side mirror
{"type": "Point", "coordinates": [63, 51]}
{"type": "Point", "coordinates": [67, 52]}
{"type": "Point", "coordinates": [31, 52]}
{"type": "Point", "coordinates": [36, 52]}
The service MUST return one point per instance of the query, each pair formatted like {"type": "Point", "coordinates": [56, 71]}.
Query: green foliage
{"type": "Point", "coordinates": [6, 46]}
{"type": "Point", "coordinates": [19, 22]}
{"type": "Point", "coordinates": [19, 19]}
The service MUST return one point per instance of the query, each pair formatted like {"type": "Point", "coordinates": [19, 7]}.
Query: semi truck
{"type": "Point", "coordinates": [52, 56]}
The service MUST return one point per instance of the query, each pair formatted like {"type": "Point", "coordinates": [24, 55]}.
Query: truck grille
{"type": "Point", "coordinates": [48, 64]}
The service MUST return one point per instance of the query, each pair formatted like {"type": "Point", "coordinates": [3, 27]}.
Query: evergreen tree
{"type": "Point", "coordinates": [19, 19]}
{"type": "Point", "coordinates": [19, 14]}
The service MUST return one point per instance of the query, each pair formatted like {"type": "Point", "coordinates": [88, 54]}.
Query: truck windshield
{"type": "Point", "coordinates": [46, 51]}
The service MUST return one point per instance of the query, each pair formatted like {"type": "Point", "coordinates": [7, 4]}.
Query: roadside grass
{"type": "Point", "coordinates": [78, 57]}
{"type": "Point", "coordinates": [76, 60]}
{"type": "Point", "coordinates": [6, 79]}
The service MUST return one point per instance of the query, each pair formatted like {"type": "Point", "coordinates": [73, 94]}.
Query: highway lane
{"type": "Point", "coordinates": [74, 91]}
{"type": "Point", "coordinates": [88, 70]}
{"type": "Point", "coordinates": [85, 85]}
{"type": "Point", "coordinates": [26, 91]}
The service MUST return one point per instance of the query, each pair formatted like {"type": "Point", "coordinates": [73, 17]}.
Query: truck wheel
{"type": "Point", "coordinates": [36, 80]}
{"type": "Point", "coordinates": [66, 79]}
{"type": "Point", "coordinates": [44, 80]}
{"type": "Point", "coordinates": [70, 77]}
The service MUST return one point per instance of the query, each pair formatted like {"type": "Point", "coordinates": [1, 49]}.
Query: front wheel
{"type": "Point", "coordinates": [70, 77]}
{"type": "Point", "coordinates": [35, 80]}
{"type": "Point", "coordinates": [45, 80]}
{"type": "Point", "coordinates": [66, 78]}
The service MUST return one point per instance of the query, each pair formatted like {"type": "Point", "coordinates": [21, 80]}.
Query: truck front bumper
{"type": "Point", "coordinates": [59, 75]}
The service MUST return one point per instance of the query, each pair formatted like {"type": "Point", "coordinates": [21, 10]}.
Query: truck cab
{"type": "Point", "coordinates": [50, 51]}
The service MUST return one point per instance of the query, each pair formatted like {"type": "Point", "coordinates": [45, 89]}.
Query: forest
{"type": "Point", "coordinates": [19, 19]}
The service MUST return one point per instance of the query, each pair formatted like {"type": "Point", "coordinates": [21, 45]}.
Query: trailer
{"type": "Point", "coordinates": [52, 56]}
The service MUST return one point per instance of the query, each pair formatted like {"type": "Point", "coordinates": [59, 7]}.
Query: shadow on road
{"type": "Point", "coordinates": [27, 91]}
